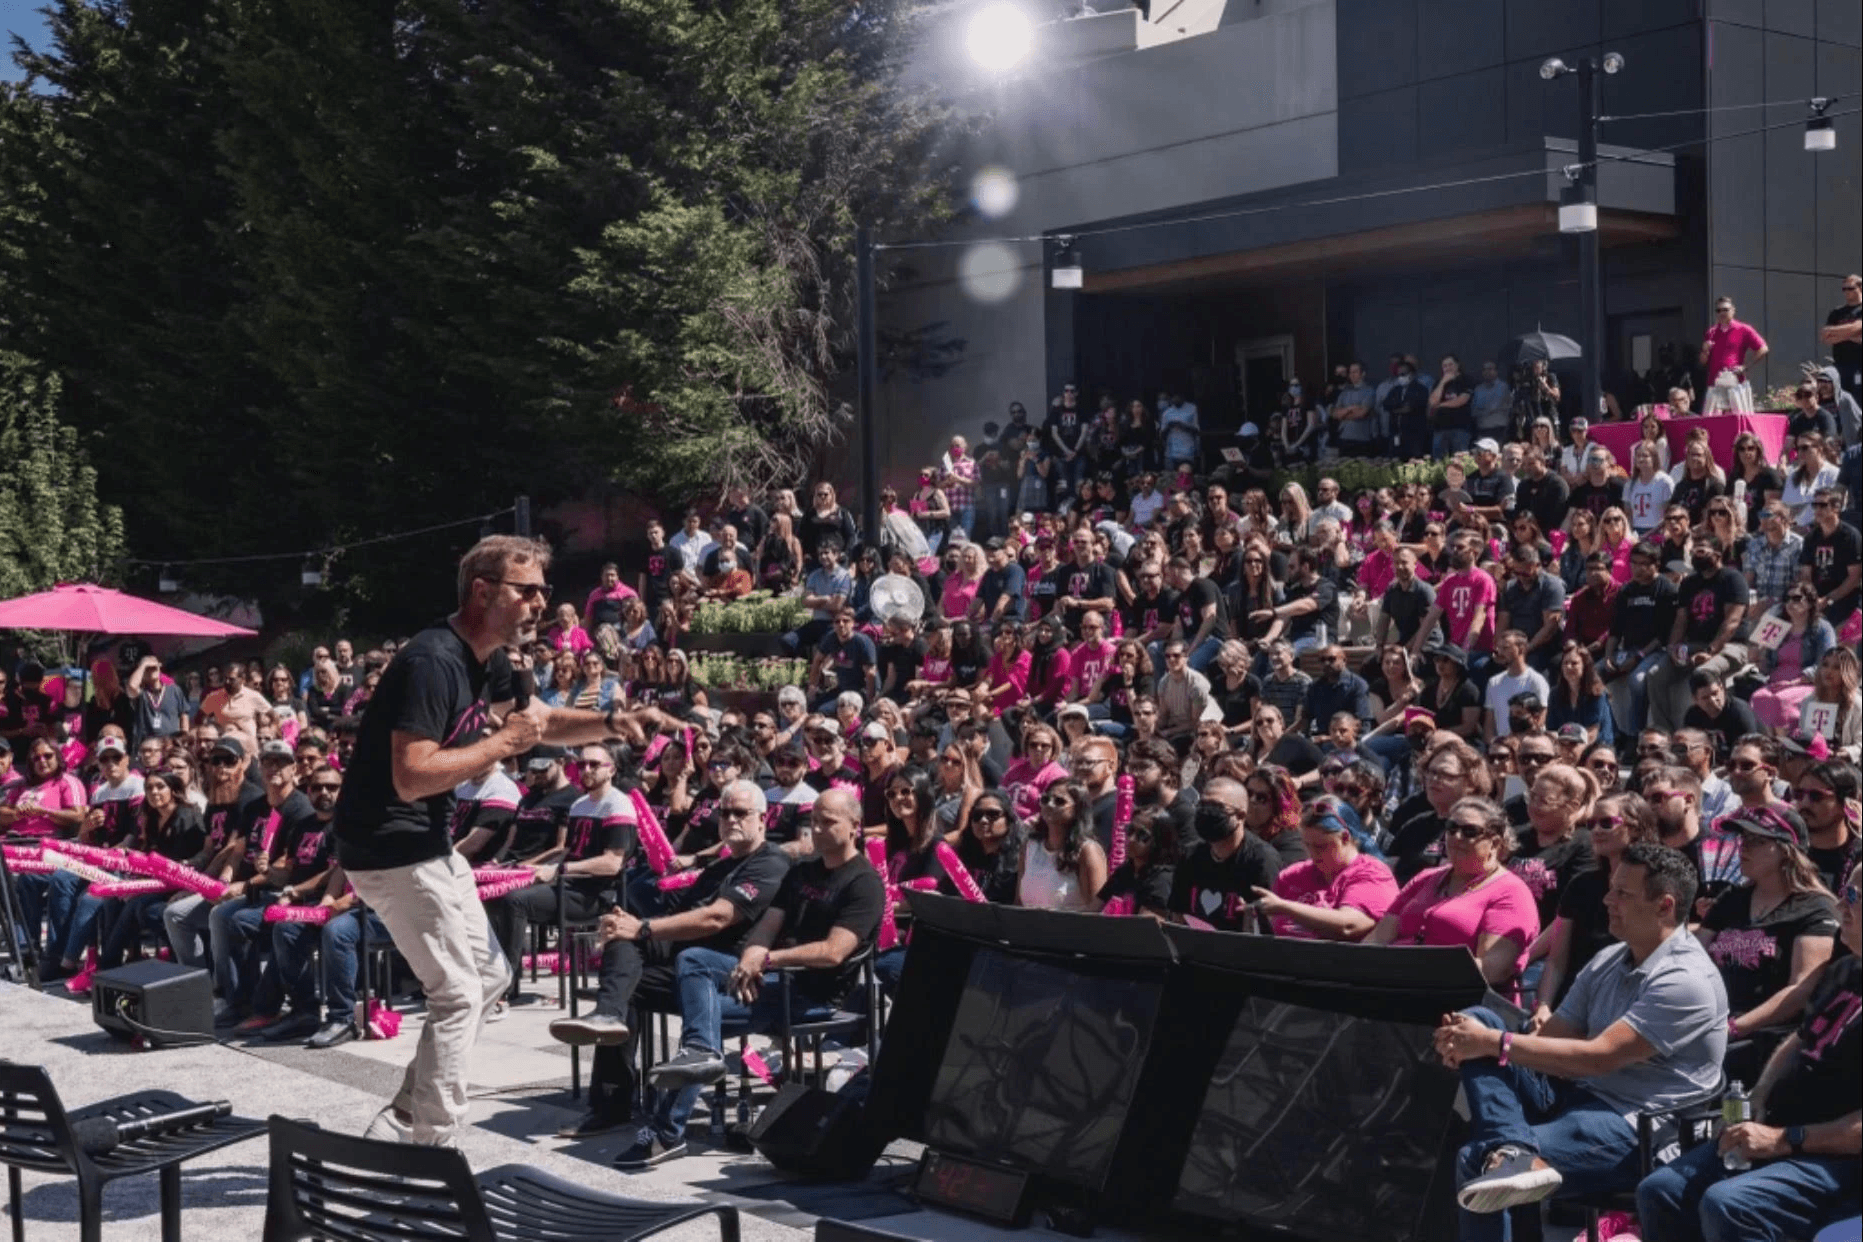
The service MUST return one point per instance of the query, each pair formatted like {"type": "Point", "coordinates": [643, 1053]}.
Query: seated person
{"type": "Point", "coordinates": [1801, 1146]}
{"type": "Point", "coordinates": [1219, 879]}
{"type": "Point", "coordinates": [1343, 888]}
{"type": "Point", "coordinates": [827, 912]}
{"type": "Point", "coordinates": [640, 959]}
{"type": "Point", "coordinates": [599, 837]}
{"type": "Point", "coordinates": [1472, 899]}
{"type": "Point", "coordinates": [1643, 1028]}
{"type": "Point", "coordinates": [237, 920]}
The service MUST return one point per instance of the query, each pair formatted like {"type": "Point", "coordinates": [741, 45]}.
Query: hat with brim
{"type": "Point", "coordinates": [1450, 652]}
{"type": "Point", "coordinates": [1772, 822]}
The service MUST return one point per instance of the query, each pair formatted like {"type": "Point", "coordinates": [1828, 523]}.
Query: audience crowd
{"type": "Point", "coordinates": [1596, 720]}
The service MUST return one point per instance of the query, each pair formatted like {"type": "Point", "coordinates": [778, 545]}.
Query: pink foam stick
{"type": "Point", "coordinates": [297, 914]}
{"type": "Point", "coordinates": [499, 888]}
{"type": "Point", "coordinates": [20, 853]}
{"type": "Point", "coordinates": [545, 963]}
{"type": "Point", "coordinates": [961, 879]}
{"type": "Point", "coordinates": [1122, 815]}
{"type": "Point", "coordinates": [129, 888]}
{"type": "Point", "coordinates": [1119, 907]}
{"type": "Point", "coordinates": [492, 875]}
{"type": "Point", "coordinates": [31, 866]}
{"type": "Point", "coordinates": [653, 842]}
{"type": "Point", "coordinates": [682, 879]}
{"type": "Point", "coordinates": [156, 867]}
{"type": "Point", "coordinates": [889, 927]}
{"type": "Point", "coordinates": [96, 855]}
{"type": "Point", "coordinates": [64, 862]}
{"type": "Point", "coordinates": [754, 1062]}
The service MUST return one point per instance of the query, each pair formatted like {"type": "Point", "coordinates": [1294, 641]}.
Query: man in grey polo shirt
{"type": "Point", "coordinates": [1644, 1027]}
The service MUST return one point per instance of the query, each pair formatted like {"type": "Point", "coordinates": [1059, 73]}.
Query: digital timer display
{"type": "Point", "coordinates": [962, 1185]}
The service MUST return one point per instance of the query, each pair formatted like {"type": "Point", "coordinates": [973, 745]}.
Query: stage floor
{"type": "Point", "coordinates": [520, 1081]}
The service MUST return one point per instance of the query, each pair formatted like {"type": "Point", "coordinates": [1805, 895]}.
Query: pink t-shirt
{"type": "Point", "coordinates": [574, 639]}
{"type": "Point", "coordinates": [1025, 784]}
{"type": "Point", "coordinates": [1088, 664]}
{"type": "Point", "coordinates": [1011, 680]}
{"type": "Point", "coordinates": [958, 595]}
{"type": "Point", "coordinates": [1728, 346]}
{"type": "Point", "coordinates": [1365, 884]}
{"type": "Point", "coordinates": [1460, 594]}
{"type": "Point", "coordinates": [61, 793]}
{"type": "Point", "coordinates": [1503, 906]}
{"type": "Point", "coordinates": [935, 669]}
{"type": "Point", "coordinates": [1376, 573]}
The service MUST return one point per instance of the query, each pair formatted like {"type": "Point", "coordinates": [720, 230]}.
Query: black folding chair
{"type": "Point", "coordinates": [326, 1185]}
{"type": "Point", "coordinates": [35, 1133]}
{"type": "Point", "coordinates": [1696, 1121]}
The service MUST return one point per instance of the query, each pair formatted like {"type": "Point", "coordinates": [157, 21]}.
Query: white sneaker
{"type": "Point", "coordinates": [1513, 1176]}
{"type": "Point", "coordinates": [388, 1128]}
{"type": "Point", "coordinates": [499, 1012]}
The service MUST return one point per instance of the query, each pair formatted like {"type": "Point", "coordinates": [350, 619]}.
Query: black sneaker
{"type": "Point", "coordinates": [693, 1067]}
{"type": "Point", "coordinates": [593, 1123]}
{"type": "Point", "coordinates": [648, 1151]}
{"type": "Point", "coordinates": [331, 1034]}
{"type": "Point", "coordinates": [593, 1029]}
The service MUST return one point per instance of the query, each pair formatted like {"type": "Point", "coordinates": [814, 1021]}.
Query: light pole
{"type": "Point", "coordinates": [1584, 180]}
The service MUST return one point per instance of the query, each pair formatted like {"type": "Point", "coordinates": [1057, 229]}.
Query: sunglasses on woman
{"type": "Point", "coordinates": [1054, 800]}
{"type": "Point", "coordinates": [1465, 832]}
{"type": "Point", "coordinates": [987, 815]}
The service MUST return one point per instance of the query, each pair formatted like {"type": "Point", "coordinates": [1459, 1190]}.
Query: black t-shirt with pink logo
{"type": "Point", "coordinates": [1549, 870]}
{"type": "Point", "coordinates": [1217, 891]}
{"type": "Point", "coordinates": [304, 846]}
{"type": "Point", "coordinates": [1828, 1078]}
{"type": "Point", "coordinates": [1755, 955]}
{"type": "Point", "coordinates": [1095, 581]}
{"type": "Point", "coordinates": [1141, 616]}
{"type": "Point", "coordinates": [1704, 601]}
{"type": "Point", "coordinates": [657, 567]}
{"type": "Point", "coordinates": [435, 689]}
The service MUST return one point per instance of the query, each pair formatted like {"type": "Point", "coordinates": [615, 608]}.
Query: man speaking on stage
{"type": "Point", "coordinates": [448, 707]}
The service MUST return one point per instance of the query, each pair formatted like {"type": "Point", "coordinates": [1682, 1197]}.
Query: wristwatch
{"type": "Point", "coordinates": [1795, 1139]}
{"type": "Point", "coordinates": [645, 933]}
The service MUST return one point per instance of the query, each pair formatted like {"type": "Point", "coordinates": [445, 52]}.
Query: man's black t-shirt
{"type": "Point", "coordinates": [1829, 1076]}
{"type": "Point", "coordinates": [1643, 613]}
{"type": "Point", "coordinates": [275, 830]}
{"type": "Point", "coordinates": [1548, 870]}
{"type": "Point", "coordinates": [1143, 615]}
{"type": "Point", "coordinates": [1201, 594]}
{"type": "Point", "coordinates": [657, 567]}
{"type": "Point", "coordinates": [229, 821]}
{"type": "Point", "coordinates": [1581, 905]}
{"type": "Point", "coordinates": [1848, 355]}
{"type": "Point", "coordinates": [1829, 557]}
{"type": "Point", "coordinates": [436, 689]}
{"type": "Point", "coordinates": [815, 899]}
{"type": "Point", "coordinates": [1735, 722]}
{"type": "Point", "coordinates": [1461, 417]}
{"type": "Point", "coordinates": [1096, 581]}
{"type": "Point", "coordinates": [1704, 600]}
{"type": "Point", "coordinates": [1547, 498]}
{"type": "Point", "coordinates": [306, 852]}
{"type": "Point", "coordinates": [848, 660]}
{"type": "Point", "coordinates": [1596, 499]}
{"type": "Point", "coordinates": [750, 884]}
{"type": "Point", "coordinates": [900, 662]}
{"type": "Point", "coordinates": [1296, 753]}
{"type": "Point", "coordinates": [1321, 592]}
{"type": "Point", "coordinates": [540, 817]}
{"type": "Point", "coordinates": [1217, 891]}
{"type": "Point", "coordinates": [1833, 865]}
{"type": "Point", "coordinates": [1407, 606]}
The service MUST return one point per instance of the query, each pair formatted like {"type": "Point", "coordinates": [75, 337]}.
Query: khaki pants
{"type": "Point", "coordinates": [432, 913]}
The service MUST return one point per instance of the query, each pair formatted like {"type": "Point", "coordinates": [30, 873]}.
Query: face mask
{"type": "Point", "coordinates": [1519, 724]}
{"type": "Point", "coordinates": [1703, 565]}
{"type": "Point", "coordinates": [1211, 821]}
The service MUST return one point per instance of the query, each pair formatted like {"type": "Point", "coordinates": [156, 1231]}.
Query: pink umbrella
{"type": "Point", "coordinates": [90, 609]}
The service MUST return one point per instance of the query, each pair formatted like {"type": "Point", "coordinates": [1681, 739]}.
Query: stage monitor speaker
{"type": "Point", "coordinates": [816, 1134]}
{"type": "Point", "coordinates": [163, 1002]}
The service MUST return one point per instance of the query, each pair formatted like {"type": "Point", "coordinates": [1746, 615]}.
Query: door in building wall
{"type": "Point", "coordinates": [1638, 344]}
{"type": "Point", "coordinates": [1262, 368]}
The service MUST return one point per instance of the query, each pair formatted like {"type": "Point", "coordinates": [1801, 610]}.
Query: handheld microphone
{"type": "Point", "coordinates": [98, 1136]}
{"type": "Point", "coordinates": [523, 685]}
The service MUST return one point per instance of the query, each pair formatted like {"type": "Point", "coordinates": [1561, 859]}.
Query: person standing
{"type": "Point", "coordinates": [445, 710]}
{"type": "Point", "coordinates": [1726, 344]}
{"type": "Point", "coordinates": [1843, 332]}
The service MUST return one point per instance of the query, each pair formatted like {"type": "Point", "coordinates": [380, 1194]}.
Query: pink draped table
{"type": "Point", "coordinates": [1723, 429]}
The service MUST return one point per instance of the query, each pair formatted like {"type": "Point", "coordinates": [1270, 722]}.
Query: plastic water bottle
{"type": "Point", "coordinates": [1735, 1108]}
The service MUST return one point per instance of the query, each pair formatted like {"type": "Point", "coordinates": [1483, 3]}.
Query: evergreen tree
{"type": "Point", "coordinates": [52, 528]}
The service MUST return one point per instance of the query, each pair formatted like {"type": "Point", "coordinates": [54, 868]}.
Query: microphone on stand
{"type": "Point", "coordinates": [98, 1136]}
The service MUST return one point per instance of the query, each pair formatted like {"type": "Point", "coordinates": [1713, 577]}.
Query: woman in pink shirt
{"type": "Point", "coordinates": [50, 802]}
{"type": "Point", "coordinates": [1473, 900]}
{"type": "Point", "coordinates": [566, 632]}
{"type": "Point", "coordinates": [960, 588]}
{"type": "Point", "coordinates": [1028, 777]}
{"type": "Point", "coordinates": [1343, 888]}
{"type": "Point", "coordinates": [1007, 682]}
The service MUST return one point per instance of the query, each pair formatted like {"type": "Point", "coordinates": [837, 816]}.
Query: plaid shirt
{"type": "Point", "coordinates": [1773, 570]}
{"type": "Point", "coordinates": [960, 490]}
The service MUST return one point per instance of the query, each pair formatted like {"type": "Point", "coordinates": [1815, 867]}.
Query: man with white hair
{"type": "Point", "coordinates": [639, 955]}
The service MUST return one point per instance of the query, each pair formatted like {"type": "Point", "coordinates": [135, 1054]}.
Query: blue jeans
{"type": "Point", "coordinates": [966, 519]}
{"type": "Point", "coordinates": [1391, 749]}
{"type": "Point", "coordinates": [235, 928]}
{"type": "Point", "coordinates": [1587, 1140]}
{"type": "Point", "coordinates": [70, 915]}
{"type": "Point", "coordinates": [1637, 685]}
{"type": "Point", "coordinates": [704, 1009]}
{"type": "Point", "coordinates": [31, 891]}
{"type": "Point", "coordinates": [340, 941]}
{"type": "Point", "coordinates": [1446, 444]}
{"type": "Point", "coordinates": [1696, 1200]}
{"type": "Point", "coordinates": [128, 922]}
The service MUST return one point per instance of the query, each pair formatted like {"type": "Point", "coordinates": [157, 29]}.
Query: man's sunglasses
{"type": "Point", "coordinates": [529, 592]}
{"type": "Point", "coordinates": [222, 761]}
{"type": "Point", "coordinates": [1811, 796]}
{"type": "Point", "coordinates": [325, 788]}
